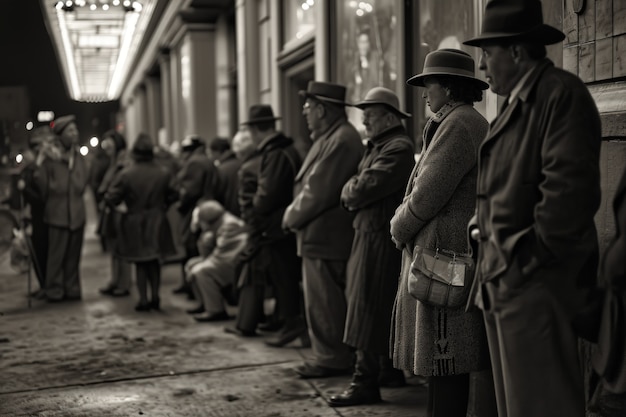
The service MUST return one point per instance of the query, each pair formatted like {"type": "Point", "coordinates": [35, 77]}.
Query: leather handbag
{"type": "Point", "coordinates": [440, 278]}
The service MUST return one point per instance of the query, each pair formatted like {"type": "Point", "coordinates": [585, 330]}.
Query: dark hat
{"type": "Point", "coordinates": [384, 96]}
{"type": "Point", "coordinates": [332, 93]}
{"type": "Point", "coordinates": [191, 142]}
{"type": "Point", "coordinates": [219, 144]}
{"type": "Point", "coordinates": [260, 113]}
{"type": "Point", "coordinates": [118, 139]}
{"type": "Point", "coordinates": [515, 20]}
{"type": "Point", "coordinates": [449, 62]}
{"type": "Point", "coordinates": [143, 148]}
{"type": "Point", "coordinates": [210, 210]}
{"type": "Point", "coordinates": [62, 122]}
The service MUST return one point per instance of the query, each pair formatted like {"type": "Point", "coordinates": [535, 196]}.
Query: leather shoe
{"type": "Point", "coordinates": [221, 316]}
{"type": "Point", "coordinates": [309, 370]}
{"type": "Point", "coordinates": [393, 378]}
{"type": "Point", "coordinates": [107, 290]}
{"type": "Point", "coordinates": [142, 307]}
{"type": "Point", "coordinates": [119, 293]}
{"type": "Point", "coordinates": [197, 310]}
{"type": "Point", "coordinates": [239, 332]}
{"type": "Point", "coordinates": [356, 394]}
{"type": "Point", "coordinates": [291, 331]}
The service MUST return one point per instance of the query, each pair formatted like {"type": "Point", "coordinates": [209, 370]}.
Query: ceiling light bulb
{"type": "Point", "coordinates": [59, 5]}
{"type": "Point", "coordinates": [69, 3]}
{"type": "Point", "coordinates": [137, 6]}
{"type": "Point", "coordinates": [116, 2]}
{"type": "Point", "coordinates": [93, 6]}
{"type": "Point", "coordinates": [105, 7]}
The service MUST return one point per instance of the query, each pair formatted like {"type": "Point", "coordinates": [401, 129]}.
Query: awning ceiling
{"type": "Point", "coordinates": [96, 43]}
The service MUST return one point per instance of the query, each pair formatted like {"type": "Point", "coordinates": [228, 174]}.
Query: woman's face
{"type": "Point", "coordinates": [434, 94]}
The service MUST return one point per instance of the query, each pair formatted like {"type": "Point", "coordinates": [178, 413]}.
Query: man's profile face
{"type": "Point", "coordinates": [311, 112]}
{"type": "Point", "coordinates": [500, 68]}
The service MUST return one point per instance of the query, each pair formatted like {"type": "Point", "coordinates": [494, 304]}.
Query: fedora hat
{"type": "Point", "coordinates": [332, 93]}
{"type": "Point", "coordinates": [449, 62]}
{"type": "Point", "coordinates": [62, 122]}
{"type": "Point", "coordinates": [515, 20]}
{"type": "Point", "coordinates": [191, 142]}
{"type": "Point", "coordinates": [384, 96]}
{"type": "Point", "coordinates": [260, 113]}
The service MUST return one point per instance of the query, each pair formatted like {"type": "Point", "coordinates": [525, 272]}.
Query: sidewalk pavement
{"type": "Point", "coordinates": [98, 357]}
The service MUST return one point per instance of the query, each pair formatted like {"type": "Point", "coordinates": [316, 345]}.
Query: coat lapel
{"type": "Point", "coordinates": [316, 150]}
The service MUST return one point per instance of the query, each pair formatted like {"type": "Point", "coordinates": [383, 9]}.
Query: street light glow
{"type": "Point", "coordinates": [84, 150]}
{"type": "Point", "coordinates": [19, 158]}
{"type": "Point", "coordinates": [94, 142]}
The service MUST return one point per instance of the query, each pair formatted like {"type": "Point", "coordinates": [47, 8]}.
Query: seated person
{"type": "Point", "coordinates": [222, 237]}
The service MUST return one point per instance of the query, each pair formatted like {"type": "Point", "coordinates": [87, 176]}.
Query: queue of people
{"type": "Point", "coordinates": [340, 238]}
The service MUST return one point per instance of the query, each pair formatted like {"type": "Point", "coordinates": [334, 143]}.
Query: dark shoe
{"type": "Point", "coordinates": [221, 316]}
{"type": "Point", "coordinates": [183, 289]}
{"type": "Point", "coordinates": [309, 370]}
{"type": "Point", "coordinates": [119, 293]}
{"type": "Point", "coordinates": [197, 310]}
{"type": "Point", "coordinates": [54, 300]}
{"type": "Point", "coordinates": [239, 332]}
{"type": "Point", "coordinates": [291, 331]}
{"type": "Point", "coordinates": [393, 378]}
{"type": "Point", "coordinates": [38, 295]}
{"type": "Point", "coordinates": [142, 307]}
{"type": "Point", "coordinates": [356, 394]}
{"type": "Point", "coordinates": [73, 297]}
{"type": "Point", "coordinates": [270, 326]}
{"type": "Point", "coordinates": [107, 290]}
{"type": "Point", "coordinates": [155, 304]}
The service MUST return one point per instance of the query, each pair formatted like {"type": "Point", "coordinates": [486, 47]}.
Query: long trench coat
{"type": "Point", "coordinates": [374, 263]}
{"type": "Point", "coordinates": [439, 202]}
{"type": "Point", "coordinates": [147, 189]}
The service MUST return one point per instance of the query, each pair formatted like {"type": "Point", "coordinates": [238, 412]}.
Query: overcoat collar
{"type": "Point", "coordinates": [503, 119]}
{"type": "Point", "coordinates": [318, 143]}
{"type": "Point", "coordinates": [385, 136]}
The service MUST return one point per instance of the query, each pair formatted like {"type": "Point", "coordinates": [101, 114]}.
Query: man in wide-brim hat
{"type": "Point", "coordinates": [323, 228]}
{"type": "Point", "coordinates": [538, 190]}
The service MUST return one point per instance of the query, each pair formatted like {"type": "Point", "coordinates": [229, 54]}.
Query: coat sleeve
{"type": "Point", "coordinates": [321, 189]}
{"type": "Point", "coordinates": [570, 181]}
{"type": "Point", "coordinates": [387, 173]}
{"type": "Point", "coordinates": [274, 182]}
{"type": "Point", "coordinates": [191, 182]}
{"type": "Point", "coordinates": [451, 155]}
{"type": "Point", "coordinates": [114, 194]}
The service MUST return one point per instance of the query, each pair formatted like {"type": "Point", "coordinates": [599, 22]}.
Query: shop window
{"type": "Point", "coordinates": [368, 49]}
{"type": "Point", "coordinates": [298, 21]}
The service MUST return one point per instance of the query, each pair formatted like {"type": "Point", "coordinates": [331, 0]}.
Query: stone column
{"type": "Point", "coordinates": [166, 94]}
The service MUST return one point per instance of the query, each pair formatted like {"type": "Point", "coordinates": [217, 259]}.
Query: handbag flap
{"type": "Point", "coordinates": [449, 270]}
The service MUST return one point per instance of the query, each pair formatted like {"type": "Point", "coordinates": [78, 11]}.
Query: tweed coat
{"type": "Point", "coordinates": [147, 190]}
{"type": "Point", "coordinates": [437, 206]}
{"type": "Point", "coordinates": [323, 227]}
{"type": "Point", "coordinates": [536, 200]}
{"type": "Point", "coordinates": [374, 264]}
{"type": "Point", "coordinates": [62, 182]}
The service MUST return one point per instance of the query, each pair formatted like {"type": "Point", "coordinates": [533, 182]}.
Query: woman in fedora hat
{"type": "Point", "coordinates": [444, 344]}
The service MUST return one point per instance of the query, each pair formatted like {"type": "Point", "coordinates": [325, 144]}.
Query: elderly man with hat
{"type": "Point", "coordinates": [271, 252]}
{"type": "Point", "coordinates": [198, 181]}
{"type": "Point", "coordinates": [538, 191]}
{"type": "Point", "coordinates": [323, 228]}
{"type": "Point", "coordinates": [61, 178]}
{"type": "Point", "coordinates": [373, 194]}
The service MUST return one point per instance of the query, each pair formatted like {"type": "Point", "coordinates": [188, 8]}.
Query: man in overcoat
{"type": "Point", "coordinates": [323, 228]}
{"type": "Point", "coordinates": [61, 178]}
{"type": "Point", "coordinates": [537, 192]}
{"type": "Point", "coordinates": [275, 254]}
{"type": "Point", "coordinates": [197, 180]}
{"type": "Point", "coordinates": [374, 265]}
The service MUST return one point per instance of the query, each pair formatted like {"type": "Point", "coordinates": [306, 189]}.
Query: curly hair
{"type": "Point", "coordinates": [460, 89]}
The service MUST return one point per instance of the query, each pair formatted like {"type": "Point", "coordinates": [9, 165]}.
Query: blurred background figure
{"type": "Point", "coordinates": [36, 204]}
{"type": "Point", "coordinates": [222, 237]}
{"type": "Point", "coordinates": [227, 167]}
{"type": "Point", "coordinates": [197, 181]}
{"type": "Point", "coordinates": [114, 145]}
{"type": "Point", "coordinates": [142, 191]}
{"type": "Point", "coordinates": [62, 177]}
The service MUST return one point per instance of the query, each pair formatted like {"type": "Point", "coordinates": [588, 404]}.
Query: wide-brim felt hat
{"type": "Point", "coordinates": [62, 122]}
{"type": "Point", "coordinates": [515, 20]}
{"type": "Point", "coordinates": [260, 113]}
{"type": "Point", "coordinates": [323, 91]}
{"type": "Point", "coordinates": [191, 142]}
{"type": "Point", "coordinates": [448, 62]}
{"type": "Point", "coordinates": [384, 96]}
{"type": "Point", "coordinates": [143, 147]}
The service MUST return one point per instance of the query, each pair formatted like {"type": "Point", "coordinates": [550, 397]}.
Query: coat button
{"type": "Point", "coordinates": [475, 234]}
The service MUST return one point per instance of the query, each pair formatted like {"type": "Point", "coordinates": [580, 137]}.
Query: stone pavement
{"type": "Point", "coordinates": [98, 357]}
